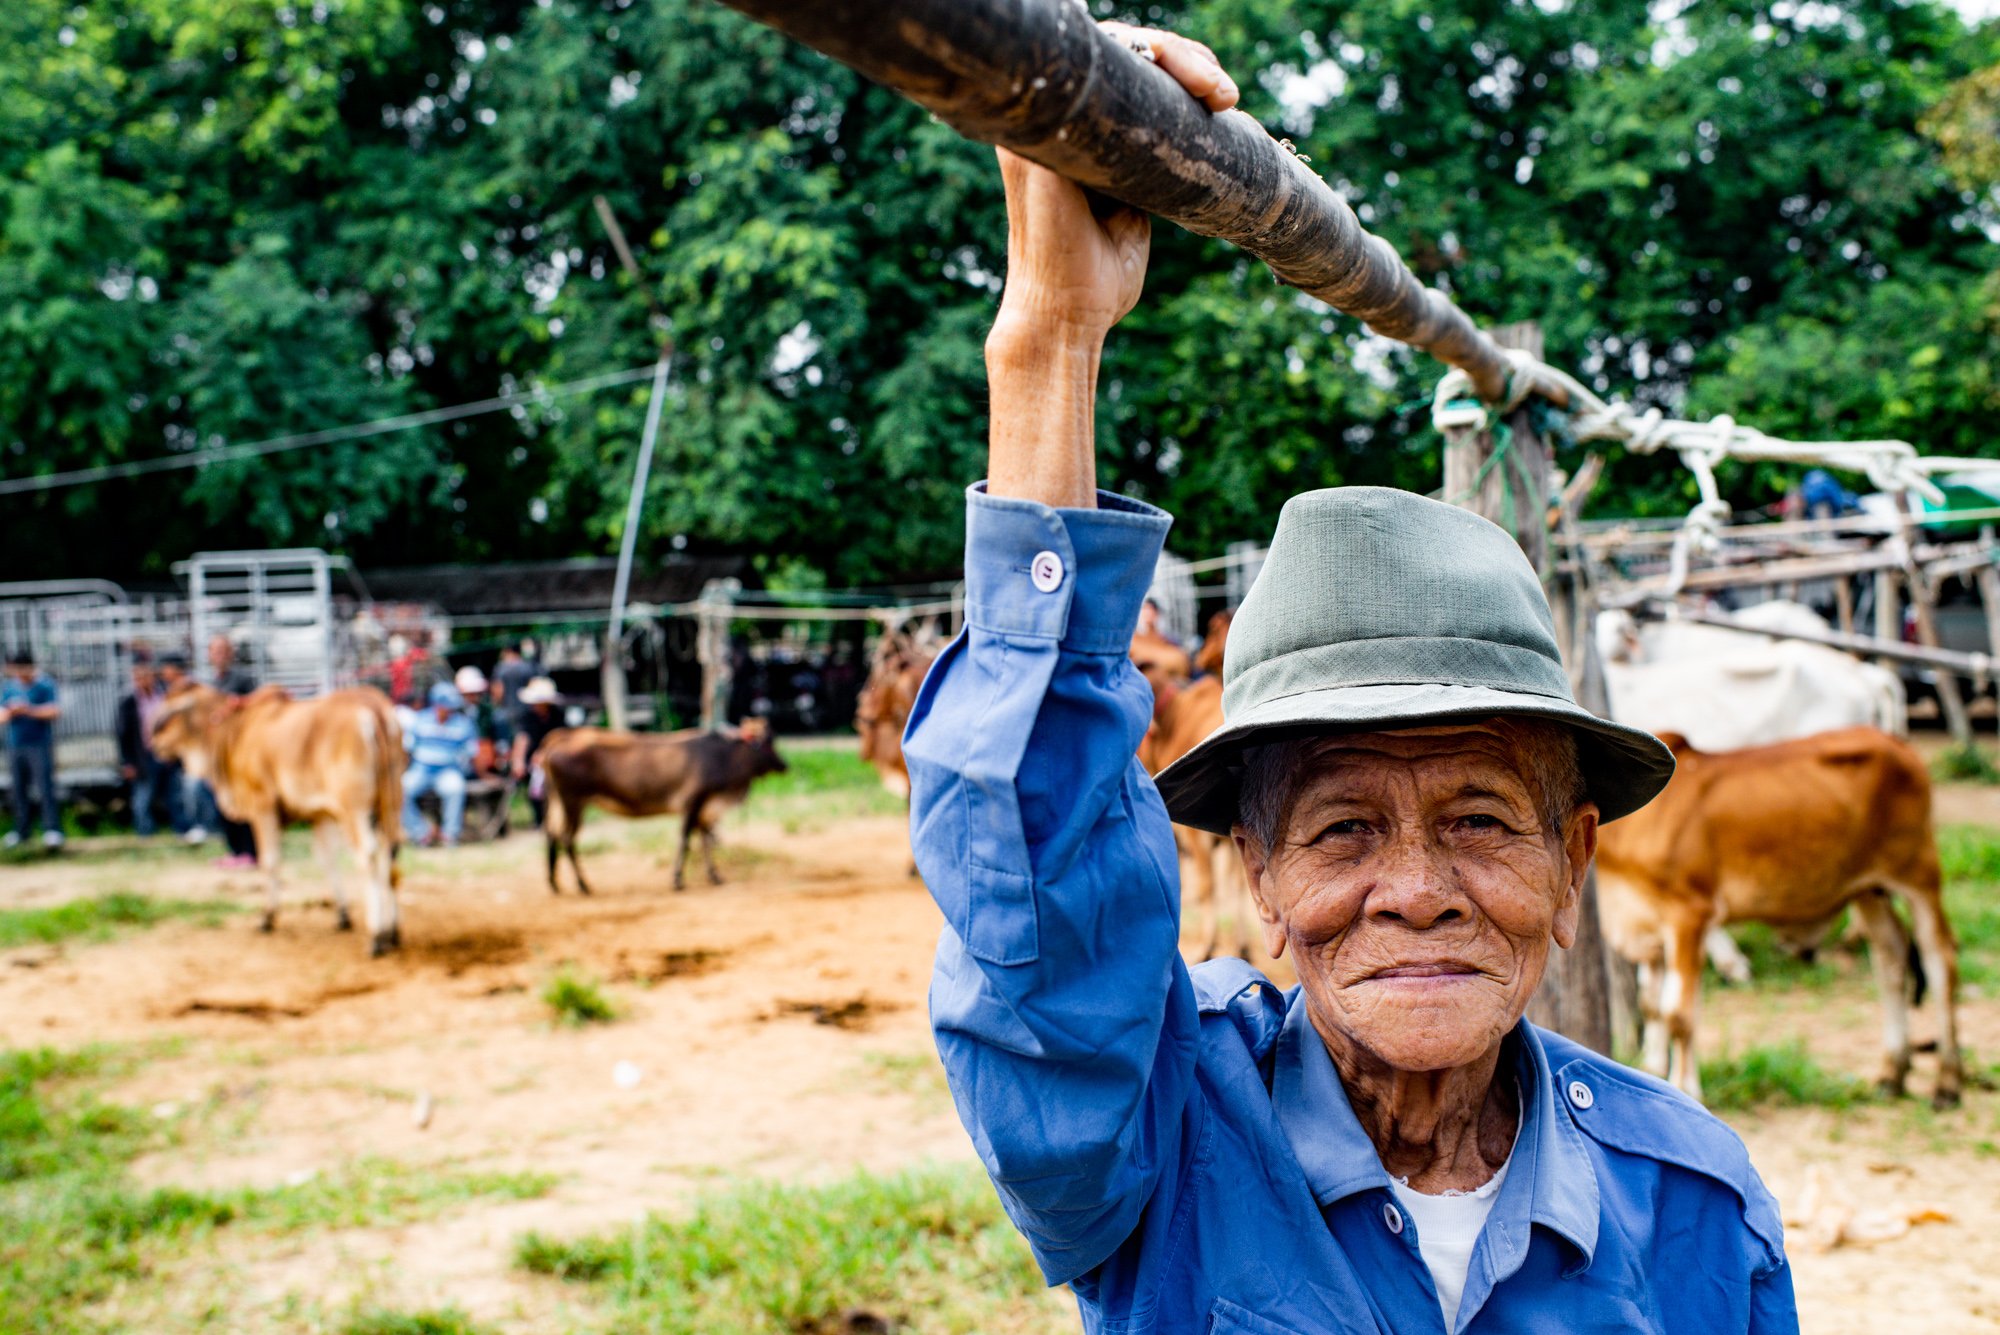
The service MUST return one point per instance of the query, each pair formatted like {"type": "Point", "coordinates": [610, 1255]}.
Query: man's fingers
{"type": "Point", "coordinates": [1197, 69]}
{"type": "Point", "coordinates": [1192, 64]}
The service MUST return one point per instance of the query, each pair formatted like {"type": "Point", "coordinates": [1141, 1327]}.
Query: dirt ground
{"type": "Point", "coordinates": [776, 1027]}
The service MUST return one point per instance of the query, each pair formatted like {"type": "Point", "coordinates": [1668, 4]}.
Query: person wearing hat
{"type": "Point", "coordinates": [1388, 1146]}
{"type": "Point", "coordinates": [492, 725]}
{"type": "Point", "coordinates": [539, 717]}
{"type": "Point", "coordinates": [441, 741]}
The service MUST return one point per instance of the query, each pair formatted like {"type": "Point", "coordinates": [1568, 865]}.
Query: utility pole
{"type": "Point", "coordinates": [612, 674]}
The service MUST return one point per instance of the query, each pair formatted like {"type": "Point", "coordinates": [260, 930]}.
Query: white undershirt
{"type": "Point", "coordinates": [1447, 1230]}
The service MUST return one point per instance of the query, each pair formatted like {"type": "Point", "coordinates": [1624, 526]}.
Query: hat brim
{"type": "Point", "coordinates": [1623, 768]}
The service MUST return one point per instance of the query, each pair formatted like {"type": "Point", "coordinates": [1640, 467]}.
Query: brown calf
{"type": "Point", "coordinates": [696, 775]}
{"type": "Point", "coordinates": [894, 678]}
{"type": "Point", "coordinates": [1211, 868]}
{"type": "Point", "coordinates": [335, 762]}
{"type": "Point", "coordinates": [1787, 834]}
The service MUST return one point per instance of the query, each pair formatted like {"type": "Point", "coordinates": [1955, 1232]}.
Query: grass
{"type": "Point", "coordinates": [823, 783]}
{"type": "Point", "coordinates": [576, 1000]}
{"type": "Point", "coordinates": [929, 1249]}
{"type": "Point", "coordinates": [101, 917]}
{"type": "Point", "coordinates": [1965, 764]}
{"type": "Point", "coordinates": [1783, 1075]}
{"type": "Point", "coordinates": [1971, 857]}
{"type": "Point", "coordinates": [442, 1321]}
{"type": "Point", "coordinates": [1771, 963]}
{"type": "Point", "coordinates": [75, 1227]}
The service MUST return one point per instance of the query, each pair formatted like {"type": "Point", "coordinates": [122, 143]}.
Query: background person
{"type": "Point", "coordinates": [517, 667]}
{"type": "Point", "coordinates": [541, 714]}
{"type": "Point", "coordinates": [29, 703]}
{"type": "Point", "coordinates": [230, 677]}
{"type": "Point", "coordinates": [442, 740]}
{"type": "Point", "coordinates": [152, 782]}
{"type": "Point", "coordinates": [184, 794]}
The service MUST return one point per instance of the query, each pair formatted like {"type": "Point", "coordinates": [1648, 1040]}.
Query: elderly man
{"type": "Point", "coordinates": [1416, 796]}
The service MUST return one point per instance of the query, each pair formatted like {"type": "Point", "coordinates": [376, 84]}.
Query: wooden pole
{"type": "Point", "coordinates": [1041, 78]}
{"type": "Point", "coordinates": [1504, 475]}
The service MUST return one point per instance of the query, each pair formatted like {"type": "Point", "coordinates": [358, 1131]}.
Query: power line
{"type": "Point", "coordinates": [78, 477]}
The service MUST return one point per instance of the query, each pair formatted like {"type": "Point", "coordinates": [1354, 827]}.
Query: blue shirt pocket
{"type": "Point", "coordinates": [1001, 924]}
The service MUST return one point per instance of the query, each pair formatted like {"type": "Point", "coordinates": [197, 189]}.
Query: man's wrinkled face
{"type": "Point", "coordinates": [1418, 889]}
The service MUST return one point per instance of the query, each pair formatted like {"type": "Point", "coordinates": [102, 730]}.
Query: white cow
{"type": "Point", "coordinates": [1726, 689]}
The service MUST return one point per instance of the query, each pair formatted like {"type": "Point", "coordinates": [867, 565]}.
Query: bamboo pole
{"type": "Point", "coordinates": [1039, 77]}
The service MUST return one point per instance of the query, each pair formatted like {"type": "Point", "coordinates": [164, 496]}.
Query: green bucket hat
{"type": "Point", "coordinates": [1379, 609]}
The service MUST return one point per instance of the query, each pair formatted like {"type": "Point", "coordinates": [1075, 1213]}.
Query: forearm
{"type": "Point", "coordinates": [1062, 1011]}
{"type": "Point", "coordinates": [1042, 376]}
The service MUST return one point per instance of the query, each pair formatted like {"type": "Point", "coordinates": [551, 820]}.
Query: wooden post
{"type": "Point", "coordinates": [1888, 621]}
{"type": "Point", "coordinates": [1923, 606]}
{"type": "Point", "coordinates": [1989, 592]}
{"type": "Point", "coordinates": [1505, 477]}
{"type": "Point", "coordinates": [718, 669]}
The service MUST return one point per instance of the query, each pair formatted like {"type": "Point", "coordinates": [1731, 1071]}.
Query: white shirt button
{"type": "Point", "coordinates": [1047, 571]}
{"type": "Point", "coordinates": [1580, 1095]}
{"type": "Point", "coordinates": [1393, 1218]}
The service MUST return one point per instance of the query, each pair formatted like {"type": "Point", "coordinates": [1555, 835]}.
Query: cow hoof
{"type": "Point", "coordinates": [384, 943]}
{"type": "Point", "coordinates": [679, 885]}
{"type": "Point", "coordinates": [268, 923]}
{"type": "Point", "coordinates": [1886, 1088]}
{"type": "Point", "coordinates": [1946, 1099]}
{"type": "Point", "coordinates": [341, 922]}
{"type": "Point", "coordinates": [714, 878]}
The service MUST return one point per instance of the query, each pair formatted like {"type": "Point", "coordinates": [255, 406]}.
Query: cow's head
{"type": "Point", "coordinates": [182, 729]}
{"type": "Point", "coordinates": [755, 733]}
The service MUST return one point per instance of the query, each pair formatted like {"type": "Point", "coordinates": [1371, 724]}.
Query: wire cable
{"type": "Point", "coordinates": [79, 477]}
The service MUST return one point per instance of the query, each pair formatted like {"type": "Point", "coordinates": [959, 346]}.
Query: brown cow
{"type": "Point", "coordinates": [1164, 664]}
{"type": "Point", "coordinates": [1787, 834]}
{"type": "Point", "coordinates": [694, 774]}
{"type": "Point", "coordinates": [335, 762]}
{"type": "Point", "coordinates": [894, 677]}
{"type": "Point", "coordinates": [1212, 869]}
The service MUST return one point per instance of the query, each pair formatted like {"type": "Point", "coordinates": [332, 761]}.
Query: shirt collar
{"type": "Point", "coordinates": [1553, 1181]}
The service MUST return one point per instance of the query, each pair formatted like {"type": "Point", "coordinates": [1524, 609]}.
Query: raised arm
{"type": "Point", "coordinates": [1063, 1013]}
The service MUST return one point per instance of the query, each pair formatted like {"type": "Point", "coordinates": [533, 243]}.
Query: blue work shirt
{"type": "Point", "coordinates": [441, 744]}
{"type": "Point", "coordinates": [1176, 1145]}
{"type": "Point", "coordinates": [39, 690]}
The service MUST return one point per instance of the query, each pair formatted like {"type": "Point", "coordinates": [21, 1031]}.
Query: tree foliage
{"type": "Point", "coordinates": [227, 220]}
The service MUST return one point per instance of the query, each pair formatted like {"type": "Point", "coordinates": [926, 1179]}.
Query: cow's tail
{"type": "Point", "coordinates": [386, 752]}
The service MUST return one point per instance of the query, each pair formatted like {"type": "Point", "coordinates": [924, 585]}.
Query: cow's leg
{"type": "Point", "coordinates": [1653, 1028]}
{"type": "Point", "coordinates": [326, 848]}
{"type": "Point", "coordinates": [1728, 958]}
{"type": "Point", "coordinates": [687, 835]}
{"type": "Point", "coordinates": [1680, 1002]}
{"type": "Point", "coordinates": [372, 851]}
{"type": "Point", "coordinates": [555, 856]}
{"type": "Point", "coordinates": [1233, 887]}
{"type": "Point", "coordinates": [265, 830]}
{"type": "Point", "coordinates": [1197, 858]}
{"type": "Point", "coordinates": [708, 853]}
{"type": "Point", "coordinates": [575, 828]}
{"type": "Point", "coordinates": [1940, 955]}
{"type": "Point", "coordinates": [1887, 949]}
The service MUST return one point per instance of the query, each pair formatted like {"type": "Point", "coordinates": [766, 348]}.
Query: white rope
{"type": "Point", "coordinates": [1891, 465]}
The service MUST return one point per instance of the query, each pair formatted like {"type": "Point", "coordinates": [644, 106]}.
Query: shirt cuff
{"type": "Point", "coordinates": [1077, 576]}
